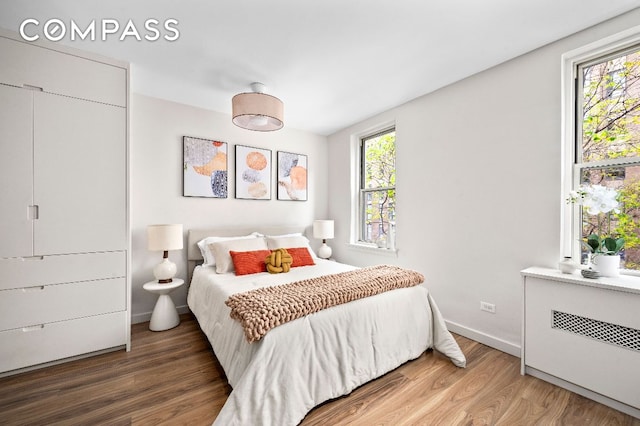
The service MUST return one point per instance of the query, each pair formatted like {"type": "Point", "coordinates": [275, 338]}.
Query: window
{"type": "Point", "coordinates": [607, 146]}
{"type": "Point", "coordinates": [377, 189]}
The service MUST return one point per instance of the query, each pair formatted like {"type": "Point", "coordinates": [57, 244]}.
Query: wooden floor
{"type": "Point", "coordinates": [172, 377]}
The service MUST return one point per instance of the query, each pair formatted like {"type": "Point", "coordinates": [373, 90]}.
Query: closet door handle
{"type": "Point", "coordinates": [32, 328]}
{"type": "Point", "coordinates": [31, 87]}
{"type": "Point", "coordinates": [33, 212]}
{"type": "Point", "coordinates": [32, 289]}
{"type": "Point", "coordinates": [30, 258]}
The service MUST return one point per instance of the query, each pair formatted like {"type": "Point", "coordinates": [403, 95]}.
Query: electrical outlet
{"type": "Point", "coordinates": [488, 307]}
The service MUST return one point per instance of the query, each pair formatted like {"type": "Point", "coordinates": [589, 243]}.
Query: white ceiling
{"type": "Point", "coordinates": [332, 62]}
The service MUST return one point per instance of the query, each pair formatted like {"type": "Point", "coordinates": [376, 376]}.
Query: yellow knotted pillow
{"type": "Point", "coordinates": [278, 261]}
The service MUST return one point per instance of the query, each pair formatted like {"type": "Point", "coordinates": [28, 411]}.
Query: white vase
{"type": "Point", "coordinates": [608, 266]}
{"type": "Point", "coordinates": [567, 266]}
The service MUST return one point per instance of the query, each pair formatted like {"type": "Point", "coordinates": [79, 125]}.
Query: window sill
{"type": "Point", "coordinates": [626, 283]}
{"type": "Point", "coordinates": [372, 249]}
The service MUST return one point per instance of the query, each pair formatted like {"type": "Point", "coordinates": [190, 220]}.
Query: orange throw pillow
{"type": "Point", "coordinates": [249, 262]}
{"type": "Point", "coordinates": [301, 257]}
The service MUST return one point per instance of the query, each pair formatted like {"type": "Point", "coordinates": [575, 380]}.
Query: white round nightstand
{"type": "Point", "coordinates": [165, 314]}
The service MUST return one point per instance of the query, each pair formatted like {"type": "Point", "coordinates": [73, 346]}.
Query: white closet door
{"type": "Point", "coordinates": [16, 172]}
{"type": "Point", "coordinates": [80, 175]}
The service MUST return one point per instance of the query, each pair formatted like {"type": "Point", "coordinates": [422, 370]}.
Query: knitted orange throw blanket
{"type": "Point", "coordinates": [262, 309]}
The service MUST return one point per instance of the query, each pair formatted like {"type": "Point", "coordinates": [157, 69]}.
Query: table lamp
{"type": "Point", "coordinates": [164, 238]}
{"type": "Point", "coordinates": [323, 229]}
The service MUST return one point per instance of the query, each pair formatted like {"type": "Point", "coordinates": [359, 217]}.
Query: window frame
{"type": "Point", "coordinates": [364, 191]}
{"type": "Point", "coordinates": [357, 181]}
{"type": "Point", "coordinates": [571, 164]}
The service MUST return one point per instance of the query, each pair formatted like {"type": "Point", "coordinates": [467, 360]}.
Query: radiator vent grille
{"type": "Point", "coordinates": [603, 331]}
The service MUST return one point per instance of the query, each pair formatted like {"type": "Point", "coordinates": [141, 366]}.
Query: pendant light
{"type": "Point", "coordinates": [257, 110]}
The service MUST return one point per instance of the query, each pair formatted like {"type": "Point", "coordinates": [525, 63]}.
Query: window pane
{"type": "Point", "coordinates": [380, 216]}
{"type": "Point", "coordinates": [379, 161]}
{"type": "Point", "coordinates": [611, 108]}
{"type": "Point", "coordinates": [626, 181]}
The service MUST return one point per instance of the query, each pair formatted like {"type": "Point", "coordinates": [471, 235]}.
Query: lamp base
{"type": "Point", "coordinates": [324, 251]}
{"type": "Point", "coordinates": [165, 271]}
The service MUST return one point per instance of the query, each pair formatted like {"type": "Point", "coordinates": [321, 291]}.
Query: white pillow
{"type": "Point", "coordinates": [203, 245]}
{"type": "Point", "coordinates": [221, 250]}
{"type": "Point", "coordinates": [295, 234]}
{"type": "Point", "coordinates": [290, 241]}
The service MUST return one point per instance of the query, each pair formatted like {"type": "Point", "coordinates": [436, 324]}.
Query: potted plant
{"type": "Point", "coordinates": [604, 249]}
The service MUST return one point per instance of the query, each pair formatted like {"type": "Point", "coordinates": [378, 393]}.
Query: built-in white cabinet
{"type": "Point", "coordinates": [584, 334]}
{"type": "Point", "coordinates": [69, 73]}
{"type": "Point", "coordinates": [81, 299]}
{"type": "Point", "coordinates": [64, 251]}
{"type": "Point", "coordinates": [64, 175]}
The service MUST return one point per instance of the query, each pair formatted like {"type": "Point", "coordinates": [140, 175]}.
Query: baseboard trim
{"type": "Point", "coordinates": [146, 316]}
{"type": "Point", "coordinates": [485, 339]}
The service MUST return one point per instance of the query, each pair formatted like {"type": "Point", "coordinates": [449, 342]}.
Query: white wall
{"type": "Point", "coordinates": [478, 186]}
{"type": "Point", "coordinates": [157, 127]}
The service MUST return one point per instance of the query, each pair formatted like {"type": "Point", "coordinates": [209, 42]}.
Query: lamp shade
{"type": "Point", "coordinates": [164, 237]}
{"type": "Point", "coordinates": [257, 111]}
{"type": "Point", "coordinates": [323, 229]}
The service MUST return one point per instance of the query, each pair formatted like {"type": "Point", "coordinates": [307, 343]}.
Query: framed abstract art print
{"type": "Point", "coordinates": [205, 168]}
{"type": "Point", "coordinates": [253, 173]}
{"type": "Point", "coordinates": [292, 176]}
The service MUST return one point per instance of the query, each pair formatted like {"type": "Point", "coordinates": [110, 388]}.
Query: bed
{"type": "Point", "coordinates": [300, 364]}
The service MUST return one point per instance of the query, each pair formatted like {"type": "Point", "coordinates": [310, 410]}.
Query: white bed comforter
{"type": "Point", "coordinates": [300, 364]}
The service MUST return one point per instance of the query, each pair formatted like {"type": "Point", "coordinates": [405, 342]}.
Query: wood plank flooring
{"type": "Point", "coordinates": [173, 378]}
